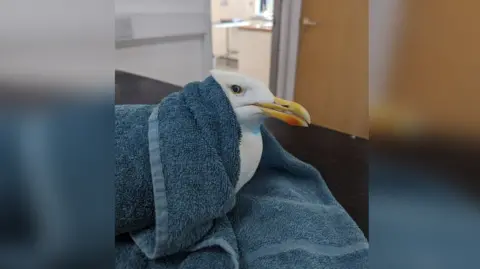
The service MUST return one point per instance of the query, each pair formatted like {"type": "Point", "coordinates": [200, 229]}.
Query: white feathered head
{"type": "Point", "coordinates": [253, 101]}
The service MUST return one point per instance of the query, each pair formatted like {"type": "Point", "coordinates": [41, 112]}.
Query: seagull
{"type": "Point", "coordinates": [253, 102]}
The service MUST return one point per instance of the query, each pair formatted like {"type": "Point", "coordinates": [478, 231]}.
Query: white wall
{"type": "Point", "coordinates": [175, 62]}
{"type": "Point", "coordinates": [255, 54]}
{"type": "Point", "coordinates": [168, 40]}
{"type": "Point", "coordinates": [240, 9]}
{"type": "Point", "coordinates": [385, 17]}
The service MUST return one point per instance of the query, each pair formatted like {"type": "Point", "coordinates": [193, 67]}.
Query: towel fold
{"type": "Point", "coordinates": [187, 155]}
{"type": "Point", "coordinates": [134, 206]}
{"type": "Point", "coordinates": [188, 215]}
{"type": "Point", "coordinates": [286, 217]}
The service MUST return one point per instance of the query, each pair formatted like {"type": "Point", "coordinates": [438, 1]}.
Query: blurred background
{"type": "Point", "coordinates": [394, 81]}
{"type": "Point", "coordinates": [424, 64]}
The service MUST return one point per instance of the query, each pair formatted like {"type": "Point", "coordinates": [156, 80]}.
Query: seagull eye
{"type": "Point", "coordinates": [236, 89]}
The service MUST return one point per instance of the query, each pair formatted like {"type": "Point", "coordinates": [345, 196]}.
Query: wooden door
{"type": "Point", "coordinates": [436, 68]}
{"type": "Point", "coordinates": [332, 66]}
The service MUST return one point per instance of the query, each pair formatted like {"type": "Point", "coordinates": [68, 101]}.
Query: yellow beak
{"type": "Point", "coordinates": [286, 111]}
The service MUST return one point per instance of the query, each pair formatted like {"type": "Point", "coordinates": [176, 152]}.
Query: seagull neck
{"type": "Point", "coordinates": [251, 126]}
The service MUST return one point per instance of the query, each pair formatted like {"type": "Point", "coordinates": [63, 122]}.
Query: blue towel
{"type": "Point", "coordinates": [181, 165]}
{"type": "Point", "coordinates": [285, 217]}
{"type": "Point", "coordinates": [134, 207]}
{"type": "Point", "coordinates": [420, 218]}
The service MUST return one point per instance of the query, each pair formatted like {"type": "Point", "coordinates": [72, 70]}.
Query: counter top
{"type": "Point", "coordinates": [256, 28]}
{"type": "Point", "coordinates": [244, 25]}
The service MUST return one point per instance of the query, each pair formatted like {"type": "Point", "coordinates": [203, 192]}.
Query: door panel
{"type": "Point", "coordinates": [436, 69]}
{"type": "Point", "coordinates": [332, 67]}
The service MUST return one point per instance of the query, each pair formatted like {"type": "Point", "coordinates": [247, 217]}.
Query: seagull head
{"type": "Point", "coordinates": [253, 101]}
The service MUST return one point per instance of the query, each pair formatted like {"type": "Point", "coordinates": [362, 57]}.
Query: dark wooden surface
{"type": "Point", "coordinates": [341, 160]}
{"type": "Point", "coordinates": [454, 161]}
